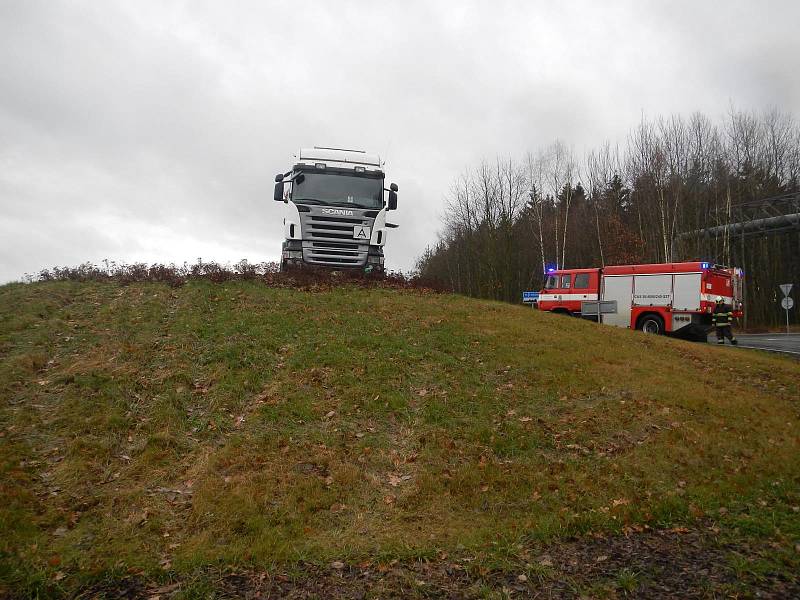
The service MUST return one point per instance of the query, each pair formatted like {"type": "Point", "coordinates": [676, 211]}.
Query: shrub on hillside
{"type": "Point", "coordinates": [268, 272]}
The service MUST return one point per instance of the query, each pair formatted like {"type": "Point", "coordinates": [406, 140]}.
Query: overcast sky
{"type": "Point", "coordinates": [152, 131]}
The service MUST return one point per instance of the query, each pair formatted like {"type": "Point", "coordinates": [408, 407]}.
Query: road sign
{"type": "Point", "coordinates": [530, 296]}
{"type": "Point", "coordinates": [786, 288]}
{"type": "Point", "coordinates": [787, 303]}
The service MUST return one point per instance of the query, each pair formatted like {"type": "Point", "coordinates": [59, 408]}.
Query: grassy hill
{"type": "Point", "coordinates": [239, 438]}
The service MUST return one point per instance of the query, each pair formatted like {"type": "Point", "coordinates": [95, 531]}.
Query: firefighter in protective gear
{"type": "Point", "coordinates": [721, 318]}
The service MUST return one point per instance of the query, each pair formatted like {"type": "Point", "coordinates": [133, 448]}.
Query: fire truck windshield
{"type": "Point", "coordinates": [552, 282]}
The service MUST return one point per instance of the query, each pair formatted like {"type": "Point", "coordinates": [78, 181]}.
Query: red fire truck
{"type": "Point", "coordinates": [672, 298]}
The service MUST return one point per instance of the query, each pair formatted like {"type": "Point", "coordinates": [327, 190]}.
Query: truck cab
{"type": "Point", "coordinates": [335, 210]}
{"type": "Point", "coordinates": [565, 290]}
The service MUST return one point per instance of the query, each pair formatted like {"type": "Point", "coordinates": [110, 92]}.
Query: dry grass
{"type": "Point", "coordinates": [158, 430]}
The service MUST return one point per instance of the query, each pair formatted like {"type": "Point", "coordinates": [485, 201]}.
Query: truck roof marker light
{"type": "Point", "coordinates": [360, 169]}
{"type": "Point", "coordinates": [319, 165]}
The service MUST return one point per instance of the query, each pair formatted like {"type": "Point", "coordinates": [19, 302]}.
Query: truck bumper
{"type": "Point", "coordinates": [297, 254]}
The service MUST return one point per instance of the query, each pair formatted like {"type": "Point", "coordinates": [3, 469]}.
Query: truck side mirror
{"type": "Point", "coordinates": [392, 197]}
{"type": "Point", "coordinates": [393, 187]}
{"type": "Point", "coordinates": [278, 195]}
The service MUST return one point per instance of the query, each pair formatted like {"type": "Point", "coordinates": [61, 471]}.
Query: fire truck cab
{"type": "Point", "coordinates": [667, 298]}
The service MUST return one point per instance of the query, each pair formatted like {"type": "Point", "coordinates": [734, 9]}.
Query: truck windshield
{"type": "Point", "coordinates": [338, 190]}
{"type": "Point", "coordinates": [552, 282]}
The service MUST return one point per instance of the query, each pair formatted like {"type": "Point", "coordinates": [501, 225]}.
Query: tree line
{"type": "Point", "coordinates": [508, 220]}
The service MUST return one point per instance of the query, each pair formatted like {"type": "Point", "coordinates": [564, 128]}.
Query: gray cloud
{"type": "Point", "coordinates": [151, 131]}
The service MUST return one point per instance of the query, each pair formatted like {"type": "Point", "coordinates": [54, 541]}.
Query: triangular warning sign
{"type": "Point", "coordinates": [786, 288]}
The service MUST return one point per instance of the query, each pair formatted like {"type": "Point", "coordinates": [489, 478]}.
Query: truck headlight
{"type": "Point", "coordinates": [374, 260]}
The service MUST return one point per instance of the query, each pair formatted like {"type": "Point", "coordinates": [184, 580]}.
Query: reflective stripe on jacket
{"type": "Point", "coordinates": [722, 315]}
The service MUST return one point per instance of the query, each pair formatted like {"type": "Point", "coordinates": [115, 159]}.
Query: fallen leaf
{"type": "Point", "coordinates": [338, 565]}
{"type": "Point", "coordinates": [679, 530]}
{"type": "Point", "coordinates": [696, 511]}
{"type": "Point", "coordinates": [166, 589]}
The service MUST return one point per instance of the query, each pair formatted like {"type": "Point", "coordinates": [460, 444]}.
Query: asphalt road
{"type": "Point", "coordinates": [775, 342]}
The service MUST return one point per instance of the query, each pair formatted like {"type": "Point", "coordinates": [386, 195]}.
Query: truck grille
{"type": "Point", "coordinates": [328, 240]}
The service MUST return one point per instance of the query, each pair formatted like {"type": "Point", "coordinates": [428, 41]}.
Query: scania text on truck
{"type": "Point", "coordinates": [671, 298]}
{"type": "Point", "coordinates": [335, 212]}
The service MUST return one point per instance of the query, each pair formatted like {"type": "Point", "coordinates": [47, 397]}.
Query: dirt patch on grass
{"type": "Point", "coordinates": [675, 563]}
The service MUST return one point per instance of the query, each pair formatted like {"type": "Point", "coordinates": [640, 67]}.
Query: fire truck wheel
{"type": "Point", "coordinates": [651, 324]}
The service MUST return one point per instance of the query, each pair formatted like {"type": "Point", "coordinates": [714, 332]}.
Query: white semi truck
{"type": "Point", "coordinates": [335, 212]}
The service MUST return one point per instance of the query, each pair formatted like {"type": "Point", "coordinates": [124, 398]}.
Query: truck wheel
{"type": "Point", "coordinates": [651, 324]}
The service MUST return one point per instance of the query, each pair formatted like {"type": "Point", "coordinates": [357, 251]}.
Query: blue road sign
{"type": "Point", "coordinates": [530, 296]}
